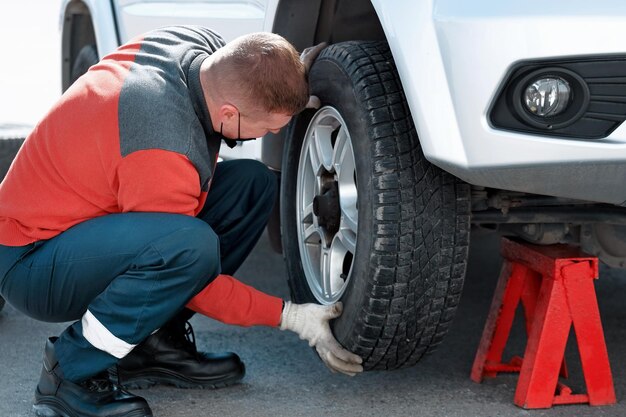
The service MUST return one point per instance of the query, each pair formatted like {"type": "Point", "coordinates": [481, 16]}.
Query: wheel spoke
{"type": "Point", "coordinates": [314, 158]}
{"type": "Point", "coordinates": [349, 219]}
{"type": "Point", "coordinates": [325, 274]}
{"type": "Point", "coordinates": [322, 145]}
{"type": "Point", "coordinates": [342, 142]}
{"type": "Point", "coordinates": [343, 157]}
{"type": "Point", "coordinates": [342, 257]}
{"type": "Point", "coordinates": [343, 160]}
{"type": "Point", "coordinates": [307, 213]}
{"type": "Point", "coordinates": [348, 239]}
{"type": "Point", "coordinates": [310, 233]}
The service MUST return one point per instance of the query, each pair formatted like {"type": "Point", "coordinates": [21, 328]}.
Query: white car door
{"type": "Point", "coordinates": [229, 18]}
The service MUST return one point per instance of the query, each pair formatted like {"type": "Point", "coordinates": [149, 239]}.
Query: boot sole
{"type": "Point", "coordinates": [147, 379]}
{"type": "Point", "coordinates": [48, 406]}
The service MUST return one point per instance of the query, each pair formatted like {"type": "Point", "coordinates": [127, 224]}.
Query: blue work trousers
{"type": "Point", "coordinates": [132, 273]}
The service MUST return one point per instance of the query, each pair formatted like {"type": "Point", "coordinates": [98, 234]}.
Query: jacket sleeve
{"type": "Point", "coordinates": [209, 37]}
{"type": "Point", "coordinates": [230, 301]}
{"type": "Point", "coordinates": [192, 37]}
{"type": "Point", "coordinates": [156, 180]}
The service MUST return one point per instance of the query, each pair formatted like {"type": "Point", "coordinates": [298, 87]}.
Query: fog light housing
{"type": "Point", "coordinates": [547, 97]}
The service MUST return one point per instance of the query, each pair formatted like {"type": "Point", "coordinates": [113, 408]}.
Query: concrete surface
{"type": "Point", "coordinates": [284, 376]}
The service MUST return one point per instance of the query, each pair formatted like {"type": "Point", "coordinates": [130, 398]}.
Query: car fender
{"type": "Point", "coordinates": [452, 57]}
{"type": "Point", "coordinates": [412, 37]}
{"type": "Point", "coordinates": [103, 20]}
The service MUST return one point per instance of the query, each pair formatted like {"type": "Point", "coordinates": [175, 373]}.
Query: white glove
{"type": "Point", "coordinates": [310, 322]}
{"type": "Point", "coordinates": [307, 57]}
{"type": "Point", "coordinates": [313, 103]}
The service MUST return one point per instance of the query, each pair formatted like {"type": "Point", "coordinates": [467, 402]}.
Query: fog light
{"type": "Point", "coordinates": [547, 96]}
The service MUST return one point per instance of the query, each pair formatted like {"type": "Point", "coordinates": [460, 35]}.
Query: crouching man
{"type": "Point", "coordinates": [116, 214]}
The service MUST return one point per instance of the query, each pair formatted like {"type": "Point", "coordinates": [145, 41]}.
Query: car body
{"type": "Point", "coordinates": [437, 46]}
{"type": "Point", "coordinates": [453, 78]}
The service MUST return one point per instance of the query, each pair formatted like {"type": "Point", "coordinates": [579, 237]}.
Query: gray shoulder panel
{"type": "Point", "coordinates": [156, 109]}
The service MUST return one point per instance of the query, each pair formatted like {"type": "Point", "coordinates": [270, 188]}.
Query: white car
{"type": "Point", "coordinates": [436, 115]}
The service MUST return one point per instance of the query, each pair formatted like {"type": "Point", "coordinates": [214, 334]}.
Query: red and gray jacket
{"type": "Point", "coordinates": [131, 135]}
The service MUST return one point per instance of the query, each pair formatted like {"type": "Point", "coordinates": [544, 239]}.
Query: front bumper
{"type": "Point", "coordinates": [453, 55]}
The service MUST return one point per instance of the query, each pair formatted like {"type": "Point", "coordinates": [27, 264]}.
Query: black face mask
{"type": "Point", "coordinates": [231, 143]}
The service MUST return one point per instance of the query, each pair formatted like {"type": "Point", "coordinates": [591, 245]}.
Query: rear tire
{"type": "Point", "coordinates": [8, 150]}
{"type": "Point", "coordinates": [404, 282]}
{"type": "Point", "coordinates": [87, 56]}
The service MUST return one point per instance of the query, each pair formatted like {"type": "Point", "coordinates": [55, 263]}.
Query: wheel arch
{"type": "Point", "coordinates": [307, 22]}
{"type": "Point", "coordinates": [85, 22]}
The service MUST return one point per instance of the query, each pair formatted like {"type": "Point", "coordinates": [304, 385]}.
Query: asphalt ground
{"type": "Point", "coordinates": [285, 378]}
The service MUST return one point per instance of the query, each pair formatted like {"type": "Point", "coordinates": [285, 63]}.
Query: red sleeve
{"type": "Point", "coordinates": [232, 302]}
{"type": "Point", "coordinates": [156, 180]}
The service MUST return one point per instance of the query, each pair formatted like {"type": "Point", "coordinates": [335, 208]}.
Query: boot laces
{"type": "Point", "coordinates": [185, 338]}
{"type": "Point", "coordinates": [98, 383]}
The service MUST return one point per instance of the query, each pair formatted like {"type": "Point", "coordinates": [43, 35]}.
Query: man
{"type": "Point", "coordinates": [115, 213]}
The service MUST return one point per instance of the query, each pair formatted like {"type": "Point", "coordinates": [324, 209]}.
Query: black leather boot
{"type": "Point", "coordinates": [170, 357]}
{"type": "Point", "coordinates": [95, 397]}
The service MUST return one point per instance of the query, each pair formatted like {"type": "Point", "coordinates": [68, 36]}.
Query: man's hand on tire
{"type": "Point", "coordinates": [313, 103]}
{"type": "Point", "coordinates": [310, 322]}
{"type": "Point", "coordinates": [307, 57]}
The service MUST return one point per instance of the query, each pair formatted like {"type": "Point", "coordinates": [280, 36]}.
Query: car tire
{"type": "Point", "coordinates": [410, 220]}
{"type": "Point", "coordinates": [8, 150]}
{"type": "Point", "coordinates": [87, 56]}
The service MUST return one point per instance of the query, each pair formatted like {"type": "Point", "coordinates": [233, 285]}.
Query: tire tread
{"type": "Point", "coordinates": [421, 215]}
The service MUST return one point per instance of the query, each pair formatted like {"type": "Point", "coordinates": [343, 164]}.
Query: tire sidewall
{"type": "Point", "coordinates": [334, 88]}
{"type": "Point", "coordinates": [300, 292]}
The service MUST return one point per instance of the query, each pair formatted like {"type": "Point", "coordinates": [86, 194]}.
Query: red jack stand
{"type": "Point", "coordinates": [555, 285]}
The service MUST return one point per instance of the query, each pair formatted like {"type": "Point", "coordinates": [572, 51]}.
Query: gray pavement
{"type": "Point", "coordinates": [285, 378]}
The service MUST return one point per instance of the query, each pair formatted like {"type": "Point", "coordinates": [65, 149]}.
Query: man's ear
{"type": "Point", "coordinates": [227, 112]}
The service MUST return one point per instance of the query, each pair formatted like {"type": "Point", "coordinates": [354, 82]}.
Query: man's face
{"type": "Point", "coordinates": [255, 125]}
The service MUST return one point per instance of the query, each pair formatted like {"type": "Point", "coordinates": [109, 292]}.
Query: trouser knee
{"type": "Point", "coordinates": [264, 181]}
{"type": "Point", "coordinates": [197, 251]}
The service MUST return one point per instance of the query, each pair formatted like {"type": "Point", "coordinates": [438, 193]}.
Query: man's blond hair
{"type": "Point", "coordinates": [261, 71]}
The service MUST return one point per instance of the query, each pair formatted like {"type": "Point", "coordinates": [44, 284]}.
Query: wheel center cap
{"type": "Point", "coordinates": [326, 207]}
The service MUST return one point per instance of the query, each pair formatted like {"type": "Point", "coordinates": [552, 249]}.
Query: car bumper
{"type": "Point", "coordinates": [453, 56]}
